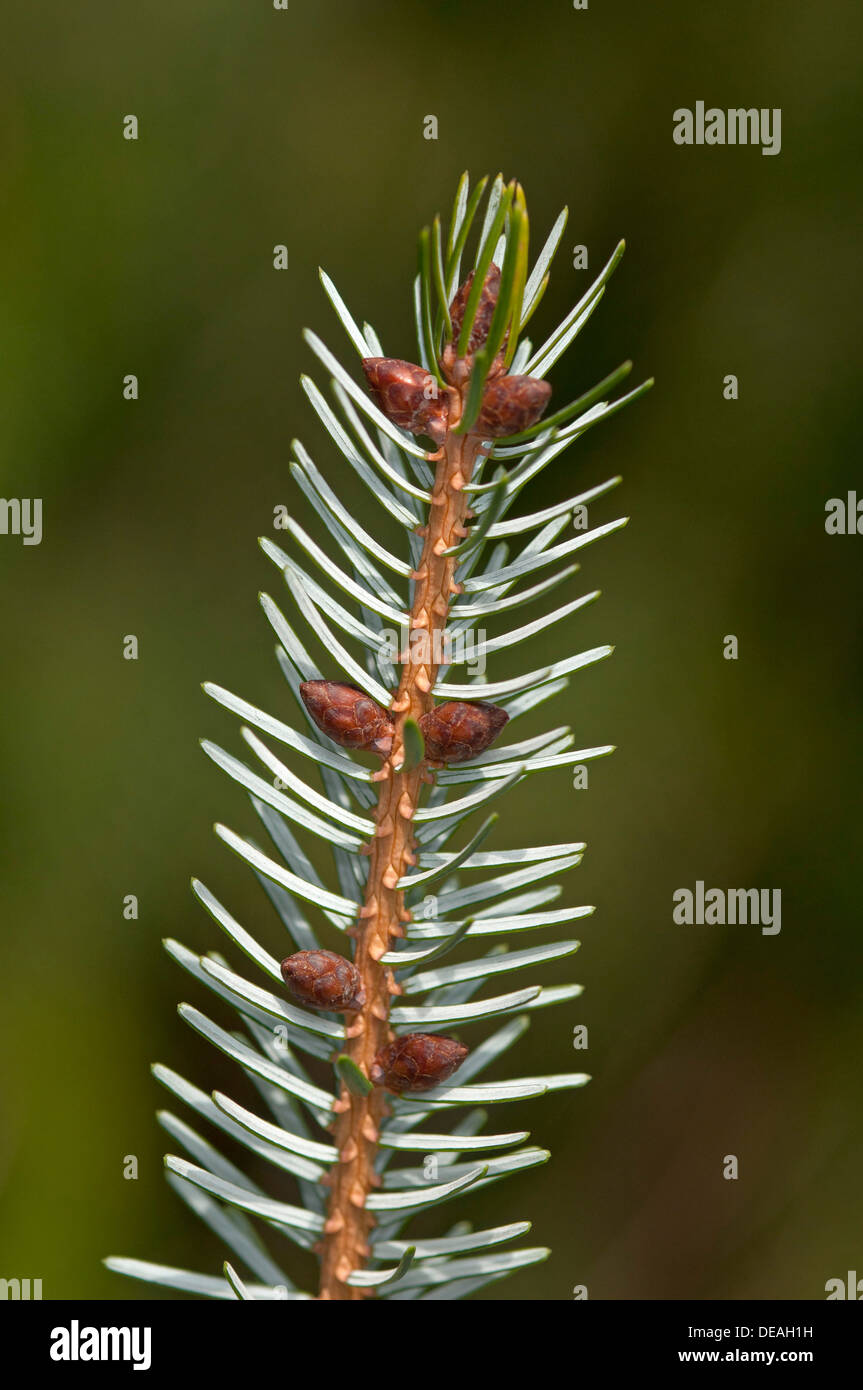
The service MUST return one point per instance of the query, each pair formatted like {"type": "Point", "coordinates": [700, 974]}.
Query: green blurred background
{"type": "Point", "coordinates": [155, 258]}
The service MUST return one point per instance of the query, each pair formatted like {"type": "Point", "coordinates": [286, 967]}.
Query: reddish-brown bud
{"type": "Point", "coordinates": [457, 731]}
{"type": "Point", "coordinates": [511, 404]}
{"type": "Point", "coordinates": [349, 716]}
{"type": "Point", "coordinates": [323, 980]}
{"type": "Point", "coordinates": [408, 396]}
{"type": "Point", "coordinates": [484, 311]}
{"type": "Point", "coordinates": [417, 1062]}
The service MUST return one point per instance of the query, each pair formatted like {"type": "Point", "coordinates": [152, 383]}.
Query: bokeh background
{"type": "Point", "coordinates": [155, 258]}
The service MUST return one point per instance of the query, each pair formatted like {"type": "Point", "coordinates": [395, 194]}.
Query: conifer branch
{"type": "Point", "coordinates": [377, 1016]}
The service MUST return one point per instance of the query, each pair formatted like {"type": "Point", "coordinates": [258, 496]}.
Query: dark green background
{"type": "Point", "coordinates": [155, 257]}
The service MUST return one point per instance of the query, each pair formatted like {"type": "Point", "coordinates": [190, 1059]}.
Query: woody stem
{"type": "Point", "coordinates": [348, 1225]}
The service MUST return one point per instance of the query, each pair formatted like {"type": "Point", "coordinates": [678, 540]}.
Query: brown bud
{"type": "Point", "coordinates": [484, 311]}
{"type": "Point", "coordinates": [408, 396]}
{"type": "Point", "coordinates": [457, 731]}
{"type": "Point", "coordinates": [323, 980]}
{"type": "Point", "coordinates": [350, 716]}
{"type": "Point", "coordinates": [417, 1062]}
{"type": "Point", "coordinates": [511, 404]}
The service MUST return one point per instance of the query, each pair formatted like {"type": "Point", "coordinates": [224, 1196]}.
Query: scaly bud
{"type": "Point", "coordinates": [417, 1062]}
{"type": "Point", "coordinates": [349, 716]}
{"type": "Point", "coordinates": [457, 369]}
{"type": "Point", "coordinates": [511, 404]}
{"type": "Point", "coordinates": [484, 310]}
{"type": "Point", "coordinates": [408, 396]}
{"type": "Point", "coordinates": [457, 731]}
{"type": "Point", "coordinates": [323, 980]}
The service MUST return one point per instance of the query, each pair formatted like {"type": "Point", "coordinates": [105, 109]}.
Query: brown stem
{"type": "Point", "coordinates": [345, 1245]}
